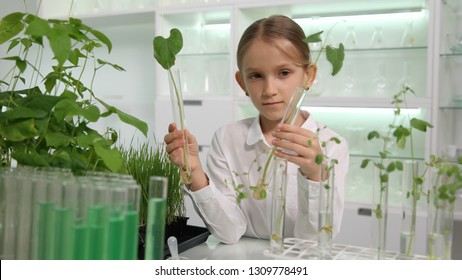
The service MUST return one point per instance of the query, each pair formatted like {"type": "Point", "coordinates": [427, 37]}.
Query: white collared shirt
{"type": "Point", "coordinates": [229, 163]}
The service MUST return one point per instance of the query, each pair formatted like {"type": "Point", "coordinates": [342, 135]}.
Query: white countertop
{"type": "Point", "coordinates": [247, 248]}
{"type": "Point", "coordinates": [258, 249]}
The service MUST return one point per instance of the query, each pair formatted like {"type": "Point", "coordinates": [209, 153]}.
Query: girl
{"type": "Point", "coordinates": [272, 60]}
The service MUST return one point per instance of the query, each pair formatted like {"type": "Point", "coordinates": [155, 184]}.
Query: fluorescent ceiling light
{"type": "Point", "coordinates": [375, 16]}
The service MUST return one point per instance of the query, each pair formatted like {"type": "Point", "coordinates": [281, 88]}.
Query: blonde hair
{"type": "Point", "coordinates": [272, 29]}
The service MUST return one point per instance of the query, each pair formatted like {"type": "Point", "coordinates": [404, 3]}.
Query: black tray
{"type": "Point", "coordinates": [191, 237]}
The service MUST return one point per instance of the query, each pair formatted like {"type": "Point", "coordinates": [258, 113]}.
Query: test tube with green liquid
{"type": "Point", "coordinates": [81, 232]}
{"type": "Point", "coordinates": [47, 192]}
{"type": "Point", "coordinates": [9, 212]}
{"type": "Point", "coordinates": [155, 228]}
{"type": "Point", "coordinates": [130, 250]}
{"type": "Point", "coordinates": [116, 225]}
{"type": "Point", "coordinates": [24, 240]}
{"type": "Point", "coordinates": [65, 219]}
{"type": "Point", "coordinates": [98, 221]}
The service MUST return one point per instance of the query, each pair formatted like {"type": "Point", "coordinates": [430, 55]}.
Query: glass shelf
{"type": "Point", "coordinates": [391, 157]}
{"type": "Point", "coordinates": [387, 49]}
{"type": "Point", "coordinates": [452, 107]}
{"type": "Point", "coordinates": [207, 54]}
{"type": "Point", "coordinates": [451, 55]}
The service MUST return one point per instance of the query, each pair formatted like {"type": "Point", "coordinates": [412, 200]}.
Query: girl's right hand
{"type": "Point", "coordinates": [175, 142]}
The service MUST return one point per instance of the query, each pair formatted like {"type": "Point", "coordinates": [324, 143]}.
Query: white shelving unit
{"type": "Point", "coordinates": [429, 57]}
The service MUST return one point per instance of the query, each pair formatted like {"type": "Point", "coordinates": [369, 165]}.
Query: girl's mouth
{"type": "Point", "coordinates": [271, 104]}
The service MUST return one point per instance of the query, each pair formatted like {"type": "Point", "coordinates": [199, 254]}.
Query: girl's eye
{"type": "Point", "coordinates": [254, 76]}
{"type": "Point", "coordinates": [284, 73]}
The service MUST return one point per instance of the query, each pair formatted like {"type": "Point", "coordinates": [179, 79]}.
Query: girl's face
{"type": "Point", "coordinates": [269, 77]}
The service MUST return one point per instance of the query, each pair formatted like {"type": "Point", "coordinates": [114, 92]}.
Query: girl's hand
{"type": "Point", "coordinates": [175, 141]}
{"type": "Point", "coordinates": [299, 146]}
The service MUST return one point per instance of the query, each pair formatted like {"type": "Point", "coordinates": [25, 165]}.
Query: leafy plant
{"type": "Point", "coordinates": [165, 51]}
{"type": "Point", "coordinates": [45, 118]}
{"type": "Point", "coordinates": [385, 165]}
{"type": "Point", "coordinates": [442, 196]}
{"type": "Point", "coordinates": [145, 161]}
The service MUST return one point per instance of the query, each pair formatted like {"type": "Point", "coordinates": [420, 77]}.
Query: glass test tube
{"type": "Point", "coordinates": [130, 251]}
{"type": "Point", "coordinates": [155, 228]}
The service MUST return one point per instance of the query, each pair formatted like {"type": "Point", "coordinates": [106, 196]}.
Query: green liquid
{"type": "Point", "coordinates": [64, 219]}
{"type": "Point", "coordinates": [115, 237]}
{"type": "Point", "coordinates": [45, 231]}
{"type": "Point", "coordinates": [155, 229]}
{"type": "Point", "coordinates": [81, 242]}
{"type": "Point", "coordinates": [97, 219]}
{"type": "Point", "coordinates": [130, 250]}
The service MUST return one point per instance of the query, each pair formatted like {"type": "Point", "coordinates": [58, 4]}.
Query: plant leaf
{"type": "Point", "coordinates": [60, 44]}
{"type": "Point", "coordinates": [335, 56]}
{"type": "Point", "coordinates": [115, 66]}
{"type": "Point", "coordinates": [38, 27]}
{"type": "Point", "coordinates": [112, 158]}
{"type": "Point", "coordinates": [19, 131]}
{"type": "Point", "coordinates": [56, 139]}
{"type": "Point", "coordinates": [314, 38]}
{"type": "Point", "coordinates": [30, 158]}
{"type": "Point", "coordinates": [364, 163]}
{"type": "Point", "coordinates": [10, 26]}
{"type": "Point", "coordinates": [23, 113]}
{"type": "Point", "coordinates": [165, 49]}
{"type": "Point", "coordinates": [103, 38]}
{"type": "Point", "coordinates": [126, 118]}
{"type": "Point", "coordinates": [420, 124]}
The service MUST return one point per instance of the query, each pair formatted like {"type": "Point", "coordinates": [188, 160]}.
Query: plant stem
{"type": "Point", "coordinates": [415, 190]}
{"type": "Point", "coordinates": [185, 170]}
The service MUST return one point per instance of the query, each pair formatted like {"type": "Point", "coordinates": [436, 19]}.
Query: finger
{"type": "Point", "coordinates": [295, 129]}
{"type": "Point", "coordinates": [172, 127]}
{"type": "Point", "coordinates": [301, 150]}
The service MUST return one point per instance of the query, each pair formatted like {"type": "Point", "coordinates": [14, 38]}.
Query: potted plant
{"type": "Point", "coordinates": [144, 161]}
{"type": "Point", "coordinates": [147, 160]}
{"type": "Point", "coordinates": [45, 118]}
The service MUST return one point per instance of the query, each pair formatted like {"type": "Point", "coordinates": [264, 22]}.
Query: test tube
{"type": "Point", "coordinates": [118, 204]}
{"type": "Point", "coordinates": [24, 240]}
{"type": "Point", "coordinates": [64, 220]}
{"type": "Point", "coordinates": [81, 232]}
{"type": "Point", "coordinates": [130, 251]}
{"type": "Point", "coordinates": [9, 226]}
{"type": "Point", "coordinates": [97, 220]}
{"type": "Point", "coordinates": [155, 228]}
{"type": "Point", "coordinates": [278, 206]}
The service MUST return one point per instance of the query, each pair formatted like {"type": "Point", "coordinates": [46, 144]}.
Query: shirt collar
{"type": "Point", "coordinates": [255, 134]}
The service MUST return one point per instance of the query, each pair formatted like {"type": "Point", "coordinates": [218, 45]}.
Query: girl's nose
{"type": "Point", "coordinates": [270, 87]}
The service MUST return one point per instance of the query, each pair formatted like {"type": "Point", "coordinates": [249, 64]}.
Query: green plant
{"type": "Point", "coordinates": [45, 118]}
{"type": "Point", "coordinates": [145, 161]}
{"type": "Point", "coordinates": [442, 196]}
{"type": "Point", "coordinates": [165, 51]}
{"type": "Point", "coordinates": [385, 165]}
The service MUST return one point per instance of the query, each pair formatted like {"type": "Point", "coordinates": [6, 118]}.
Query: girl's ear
{"type": "Point", "coordinates": [240, 81]}
{"type": "Point", "coordinates": [310, 73]}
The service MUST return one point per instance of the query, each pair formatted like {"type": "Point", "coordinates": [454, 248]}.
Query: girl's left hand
{"type": "Point", "coordinates": [299, 146]}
